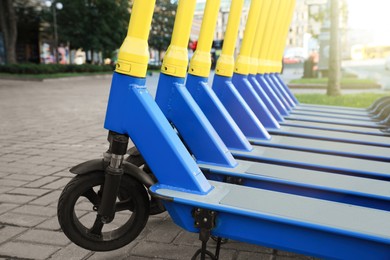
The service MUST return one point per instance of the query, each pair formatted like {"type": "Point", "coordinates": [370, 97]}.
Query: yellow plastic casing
{"type": "Point", "coordinates": [261, 26]}
{"type": "Point", "coordinates": [225, 63]}
{"type": "Point", "coordinates": [176, 58]}
{"type": "Point", "coordinates": [133, 55]}
{"type": "Point", "coordinates": [243, 61]}
{"type": "Point", "coordinates": [266, 42]}
{"type": "Point", "coordinates": [276, 35]}
{"type": "Point", "coordinates": [200, 63]}
{"type": "Point", "coordinates": [281, 42]}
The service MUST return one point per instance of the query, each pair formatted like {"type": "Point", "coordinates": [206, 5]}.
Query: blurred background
{"type": "Point", "coordinates": [77, 32]}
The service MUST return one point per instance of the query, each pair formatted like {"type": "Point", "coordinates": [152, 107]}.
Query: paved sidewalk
{"type": "Point", "coordinates": [47, 127]}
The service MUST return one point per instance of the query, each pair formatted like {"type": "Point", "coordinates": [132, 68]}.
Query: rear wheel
{"type": "Point", "coordinates": [78, 218]}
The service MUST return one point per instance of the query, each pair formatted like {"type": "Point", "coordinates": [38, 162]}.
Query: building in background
{"type": "Point", "coordinates": [297, 37]}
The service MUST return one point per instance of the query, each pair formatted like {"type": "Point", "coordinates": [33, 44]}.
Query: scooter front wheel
{"type": "Point", "coordinates": [78, 218]}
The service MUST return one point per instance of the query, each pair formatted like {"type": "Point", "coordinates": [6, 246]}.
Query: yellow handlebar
{"type": "Point", "coordinates": [133, 55]}
{"type": "Point", "coordinates": [282, 38]}
{"type": "Point", "coordinates": [176, 58]}
{"type": "Point", "coordinates": [262, 25]}
{"type": "Point", "coordinates": [243, 60]}
{"type": "Point", "coordinates": [267, 39]}
{"type": "Point", "coordinates": [225, 63]}
{"type": "Point", "coordinates": [200, 63]}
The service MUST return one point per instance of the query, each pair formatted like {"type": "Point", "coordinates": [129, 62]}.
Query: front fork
{"type": "Point", "coordinates": [113, 175]}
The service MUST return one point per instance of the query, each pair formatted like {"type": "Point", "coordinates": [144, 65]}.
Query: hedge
{"type": "Point", "coordinates": [52, 68]}
{"type": "Point", "coordinates": [35, 69]}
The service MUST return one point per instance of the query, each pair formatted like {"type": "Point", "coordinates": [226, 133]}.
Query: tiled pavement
{"type": "Point", "coordinates": [47, 127]}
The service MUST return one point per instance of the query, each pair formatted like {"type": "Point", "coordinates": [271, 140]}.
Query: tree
{"type": "Point", "coordinates": [8, 25]}
{"type": "Point", "coordinates": [334, 51]}
{"type": "Point", "coordinates": [162, 25]}
{"type": "Point", "coordinates": [93, 25]}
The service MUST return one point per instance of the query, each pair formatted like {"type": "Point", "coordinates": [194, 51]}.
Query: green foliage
{"type": "Point", "coordinates": [98, 25]}
{"type": "Point", "coordinates": [52, 68]}
{"type": "Point", "coordinates": [360, 100]}
{"type": "Point", "coordinates": [162, 25]}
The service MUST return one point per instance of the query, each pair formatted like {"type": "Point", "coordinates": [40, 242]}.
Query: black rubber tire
{"type": "Point", "coordinates": [123, 235]}
{"type": "Point", "coordinates": [156, 206]}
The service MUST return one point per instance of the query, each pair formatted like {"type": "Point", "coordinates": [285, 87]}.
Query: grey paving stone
{"type": "Point", "coordinates": [64, 173]}
{"type": "Point", "coordinates": [23, 177]}
{"type": "Point", "coordinates": [27, 250]}
{"type": "Point", "coordinates": [72, 252]}
{"type": "Point", "coordinates": [120, 253]}
{"type": "Point", "coordinates": [252, 256]}
{"type": "Point", "coordinates": [7, 232]}
{"type": "Point", "coordinates": [47, 199]}
{"type": "Point", "coordinates": [44, 237]}
{"type": "Point", "coordinates": [5, 189]}
{"type": "Point", "coordinates": [46, 170]}
{"type": "Point", "coordinates": [285, 255]}
{"type": "Point", "coordinates": [22, 220]}
{"type": "Point", "coordinates": [57, 184]}
{"type": "Point", "coordinates": [38, 159]}
{"type": "Point", "coordinates": [59, 164]}
{"type": "Point", "coordinates": [160, 232]}
{"type": "Point", "coordinates": [132, 257]}
{"type": "Point", "coordinates": [4, 174]}
{"type": "Point", "coordinates": [28, 191]}
{"type": "Point", "coordinates": [50, 224]}
{"type": "Point", "coordinates": [12, 157]}
{"type": "Point", "coordinates": [18, 199]}
{"type": "Point", "coordinates": [41, 182]}
{"type": "Point", "coordinates": [247, 247]}
{"type": "Point", "coordinates": [12, 183]}
{"type": "Point", "coordinates": [4, 207]}
{"type": "Point", "coordinates": [171, 251]}
{"type": "Point", "coordinates": [187, 238]}
{"type": "Point", "coordinates": [36, 210]}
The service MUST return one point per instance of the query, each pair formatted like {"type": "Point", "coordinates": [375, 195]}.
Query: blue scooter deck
{"type": "Point", "coordinates": [336, 121]}
{"type": "Point", "coordinates": [331, 115]}
{"type": "Point", "coordinates": [323, 162]}
{"type": "Point", "coordinates": [319, 134]}
{"type": "Point", "coordinates": [311, 183]}
{"type": "Point", "coordinates": [334, 127]}
{"type": "Point", "coordinates": [327, 147]}
{"type": "Point", "coordinates": [331, 110]}
{"type": "Point", "coordinates": [285, 221]}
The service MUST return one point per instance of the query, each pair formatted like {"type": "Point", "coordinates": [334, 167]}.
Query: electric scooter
{"type": "Point", "coordinates": [276, 219]}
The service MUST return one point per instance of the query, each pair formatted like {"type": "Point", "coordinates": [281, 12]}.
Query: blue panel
{"type": "Point", "coordinates": [247, 91]}
{"type": "Point", "coordinates": [264, 97]}
{"type": "Point", "coordinates": [277, 92]}
{"type": "Point", "coordinates": [271, 94]}
{"type": "Point", "coordinates": [131, 110]}
{"type": "Point", "coordinates": [197, 132]}
{"type": "Point", "coordinates": [281, 89]}
{"type": "Point", "coordinates": [261, 181]}
{"type": "Point", "coordinates": [277, 75]}
{"type": "Point", "coordinates": [217, 114]}
{"type": "Point", "coordinates": [281, 233]}
{"type": "Point", "coordinates": [240, 111]}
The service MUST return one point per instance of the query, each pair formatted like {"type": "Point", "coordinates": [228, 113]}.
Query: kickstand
{"type": "Point", "coordinates": [205, 220]}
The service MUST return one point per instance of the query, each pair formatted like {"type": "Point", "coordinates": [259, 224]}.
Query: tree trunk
{"type": "Point", "coordinates": [8, 25]}
{"type": "Point", "coordinates": [334, 51]}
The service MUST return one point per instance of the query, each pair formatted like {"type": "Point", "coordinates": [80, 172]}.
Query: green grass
{"type": "Point", "coordinates": [50, 76]}
{"type": "Point", "coordinates": [343, 82]}
{"type": "Point", "coordinates": [360, 100]}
